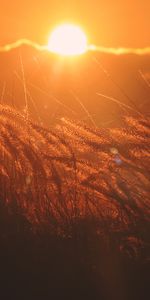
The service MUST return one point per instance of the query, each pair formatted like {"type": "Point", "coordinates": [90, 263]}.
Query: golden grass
{"type": "Point", "coordinates": [59, 177]}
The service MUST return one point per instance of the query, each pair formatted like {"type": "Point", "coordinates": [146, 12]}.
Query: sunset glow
{"type": "Point", "coordinates": [68, 40]}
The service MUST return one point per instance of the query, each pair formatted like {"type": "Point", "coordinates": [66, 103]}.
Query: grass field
{"type": "Point", "coordinates": [74, 209]}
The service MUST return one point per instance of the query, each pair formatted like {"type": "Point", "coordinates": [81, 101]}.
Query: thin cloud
{"type": "Point", "coordinates": [120, 51]}
{"type": "Point", "coordinates": [17, 44]}
{"type": "Point", "coordinates": [107, 50]}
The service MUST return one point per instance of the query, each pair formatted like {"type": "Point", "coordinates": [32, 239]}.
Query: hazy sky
{"type": "Point", "coordinates": [107, 22]}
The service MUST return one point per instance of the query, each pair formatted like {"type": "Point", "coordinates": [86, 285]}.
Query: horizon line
{"type": "Point", "coordinates": [102, 49]}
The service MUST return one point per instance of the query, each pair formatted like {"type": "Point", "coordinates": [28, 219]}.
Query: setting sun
{"type": "Point", "coordinates": [68, 40]}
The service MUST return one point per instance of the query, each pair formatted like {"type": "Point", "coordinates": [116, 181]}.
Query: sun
{"type": "Point", "coordinates": [68, 40]}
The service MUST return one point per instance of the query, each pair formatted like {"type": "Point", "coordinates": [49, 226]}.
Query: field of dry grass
{"type": "Point", "coordinates": [85, 186]}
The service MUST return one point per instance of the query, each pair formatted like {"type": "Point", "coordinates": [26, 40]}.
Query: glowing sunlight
{"type": "Point", "coordinates": [68, 40]}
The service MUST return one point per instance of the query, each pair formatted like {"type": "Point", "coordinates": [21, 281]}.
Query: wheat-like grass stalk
{"type": "Point", "coordinates": [58, 177]}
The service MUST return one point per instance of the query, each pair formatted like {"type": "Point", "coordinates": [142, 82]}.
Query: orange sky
{"type": "Point", "coordinates": [109, 23]}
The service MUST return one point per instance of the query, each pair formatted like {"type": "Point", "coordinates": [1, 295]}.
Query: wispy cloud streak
{"type": "Point", "coordinates": [120, 51]}
{"type": "Point", "coordinates": [21, 42]}
{"type": "Point", "coordinates": [107, 50]}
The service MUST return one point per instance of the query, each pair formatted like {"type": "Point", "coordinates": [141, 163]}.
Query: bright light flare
{"type": "Point", "coordinates": [68, 40]}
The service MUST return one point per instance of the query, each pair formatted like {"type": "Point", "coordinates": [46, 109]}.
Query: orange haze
{"type": "Point", "coordinates": [109, 23]}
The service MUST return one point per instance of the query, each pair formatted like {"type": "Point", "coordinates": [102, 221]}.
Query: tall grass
{"type": "Point", "coordinates": [72, 179]}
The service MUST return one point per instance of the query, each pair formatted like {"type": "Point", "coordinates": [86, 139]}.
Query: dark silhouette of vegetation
{"type": "Point", "coordinates": [74, 209]}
